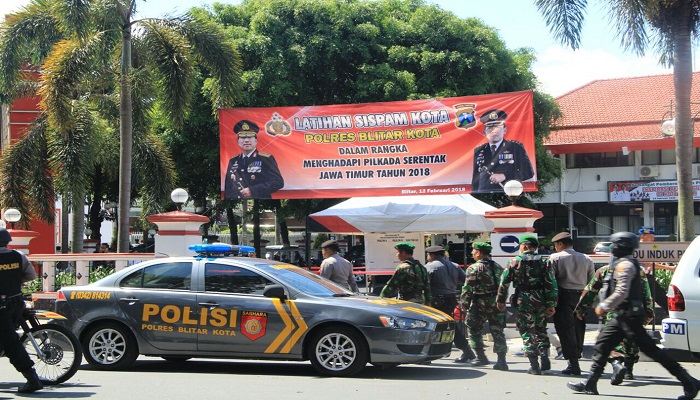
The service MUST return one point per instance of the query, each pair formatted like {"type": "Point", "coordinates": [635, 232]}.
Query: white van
{"type": "Point", "coordinates": [681, 330]}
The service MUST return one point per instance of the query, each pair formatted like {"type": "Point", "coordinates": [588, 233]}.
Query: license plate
{"type": "Point", "coordinates": [673, 328]}
{"type": "Point", "coordinates": [447, 337]}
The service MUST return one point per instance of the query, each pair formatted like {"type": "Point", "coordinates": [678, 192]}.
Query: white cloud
{"type": "Point", "coordinates": [560, 70]}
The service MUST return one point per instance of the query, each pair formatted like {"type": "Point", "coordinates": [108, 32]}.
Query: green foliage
{"type": "Point", "coordinates": [318, 241]}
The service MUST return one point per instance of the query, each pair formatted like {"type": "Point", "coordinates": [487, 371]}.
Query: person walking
{"type": "Point", "coordinates": [336, 268]}
{"type": "Point", "coordinates": [445, 282]}
{"type": "Point", "coordinates": [479, 297]}
{"type": "Point", "coordinates": [624, 296]}
{"type": "Point", "coordinates": [572, 271]}
{"type": "Point", "coordinates": [410, 280]}
{"type": "Point", "coordinates": [535, 299]}
{"type": "Point", "coordinates": [15, 269]}
{"type": "Point", "coordinates": [625, 354]}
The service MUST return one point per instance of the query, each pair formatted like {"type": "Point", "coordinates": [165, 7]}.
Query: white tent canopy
{"type": "Point", "coordinates": [427, 214]}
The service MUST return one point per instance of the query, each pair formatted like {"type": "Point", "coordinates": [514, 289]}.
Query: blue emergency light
{"type": "Point", "coordinates": [220, 248]}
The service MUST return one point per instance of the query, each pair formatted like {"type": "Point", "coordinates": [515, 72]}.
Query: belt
{"type": "Point", "coordinates": [7, 297]}
{"type": "Point", "coordinates": [571, 290]}
{"type": "Point", "coordinates": [480, 295]}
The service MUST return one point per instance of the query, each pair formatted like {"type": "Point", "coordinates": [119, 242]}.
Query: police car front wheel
{"type": "Point", "coordinates": [110, 346]}
{"type": "Point", "coordinates": [338, 351]}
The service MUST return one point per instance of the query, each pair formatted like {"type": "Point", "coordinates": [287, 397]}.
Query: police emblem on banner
{"type": "Point", "coordinates": [277, 126]}
{"type": "Point", "coordinates": [253, 324]}
{"type": "Point", "coordinates": [466, 115]}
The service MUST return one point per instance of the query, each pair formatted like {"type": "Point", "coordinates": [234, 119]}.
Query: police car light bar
{"type": "Point", "coordinates": [220, 248]}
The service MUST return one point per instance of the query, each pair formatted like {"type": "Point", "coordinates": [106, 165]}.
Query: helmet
{"type": "Point", "coordinates": [625, 239]}
{"type": "Point", "coordinates": [5, 236]}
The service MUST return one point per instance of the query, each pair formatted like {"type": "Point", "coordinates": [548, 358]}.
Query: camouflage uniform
{"type": "Point", "coordinates": [627, 349]}
{"type": "Point", "coordinates": [479, 297]}
{"type": "Point", "coordinates": [536, 290]}
{"type": "Point", "coordinates": [411, 282]}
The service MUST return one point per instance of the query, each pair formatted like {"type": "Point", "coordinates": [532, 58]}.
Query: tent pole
{"type": "Point", "coordinates": [307, 242]}
{"type": "Point", "coordinates": [464, 243]}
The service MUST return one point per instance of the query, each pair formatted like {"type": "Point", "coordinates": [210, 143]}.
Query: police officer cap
{"type": "Point", "coordinates": [435, 249]}
{"type": "Point", "coordinates": [646, 230]}
{"type": "Point", "coordinates": [246, 128]}
{"type": "Point", "coordinates": [532, 239]}
{"type": "Point", "coordinates": [625, 239]}
{"type": "Point", "coordinates": [330, 244]}
{"type": "Point", "coordinates": [493, 117]}
{"type": "Point", "coordinates": [561, 236]}
{"type": "Point", "coordinates": [482, 246]}
{"type": "Point", "coordinates": [5, 236]}
{"type": "Point", "coordinates": [404, 246]}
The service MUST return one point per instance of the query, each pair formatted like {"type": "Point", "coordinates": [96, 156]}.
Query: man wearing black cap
{"type": "Point", "coordinates": [445, 280]}
{"type": "Point", "coordinates": [410, 280]}
{"type": "Point", "coordinates": [336, 268]}
{"type": "Point", "coordinates": [251, 174]}
{"type": "Point", "coordinates": [499, 160]}
{"type": "Point", "coordinates": [15, 269]}
{"type": "Point", "coordinates": [572, 270]}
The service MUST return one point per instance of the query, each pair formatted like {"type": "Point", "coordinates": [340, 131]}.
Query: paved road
{"type": "Point", "coordinates": [153, 378]}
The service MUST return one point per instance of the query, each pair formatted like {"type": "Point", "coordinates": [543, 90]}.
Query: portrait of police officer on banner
{"type": "Point", "coordinates": [499, 160]}
{"type": "Point", "coordinates": [252, 174]}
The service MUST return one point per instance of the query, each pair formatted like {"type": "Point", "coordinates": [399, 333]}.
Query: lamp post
{"type": "Point", "coordinates": [12, 215]}
{"type": "Point", "coordinates": [513, 190]}
{"type": "Point", "coordinates": [179, 197]}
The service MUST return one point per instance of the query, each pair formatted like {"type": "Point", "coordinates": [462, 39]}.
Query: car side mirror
{"type": "Point", "coordinates": [275, 291]}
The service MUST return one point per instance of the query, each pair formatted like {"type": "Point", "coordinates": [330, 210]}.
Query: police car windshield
{"type": "Point", "coordinates": [307, 282]}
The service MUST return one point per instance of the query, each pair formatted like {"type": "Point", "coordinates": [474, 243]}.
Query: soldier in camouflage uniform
{"type": "Point", "coordinates": [479, 297]}
{"type": "Point", "coordinates": [410, 280]}
{"type": "Point", "coordinates": [535, 298]}
{"type": "Point", "coordinates": [626, 354]}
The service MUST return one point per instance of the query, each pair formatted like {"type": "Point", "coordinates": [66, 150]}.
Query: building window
{"type": "Point", "coordinates": [599, 160]}
{"type": "Point", "coordinates": [660, 157]}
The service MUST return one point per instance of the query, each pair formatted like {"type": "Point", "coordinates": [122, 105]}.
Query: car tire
{"type": "Point", "coordinates": [338, 351]}
{"type": "Point", "coordinates": [110, 346]}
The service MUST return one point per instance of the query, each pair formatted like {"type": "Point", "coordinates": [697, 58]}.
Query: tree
{"type": "Point", "coordinates": [672, 23]}
{"type": "Point", "coordinates": [76, 44]}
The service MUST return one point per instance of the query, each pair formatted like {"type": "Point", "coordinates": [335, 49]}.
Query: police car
{"type": "Point", "coordinates": [215, 305]}
{"type": "Point", "coordinates": [681, 330]}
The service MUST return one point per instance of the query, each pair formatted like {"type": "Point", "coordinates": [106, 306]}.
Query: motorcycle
{"type": "Point", "coordinates": [55, 350]}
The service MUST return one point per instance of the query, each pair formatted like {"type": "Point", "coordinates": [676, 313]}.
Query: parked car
{"type": "Point", "coordinates": [215, 305]}
{"type": "Point", "coordinates": [291, 254]}
{"type": "Point", "coordinates": [681, 330]}
{"type": "Point", "coordinates": [603, 248]}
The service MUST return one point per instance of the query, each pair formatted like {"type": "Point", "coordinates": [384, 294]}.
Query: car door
{"type": "Point", "coordinates": [160, 306]}
{"type": "Point", "coordinates": [238, 318]}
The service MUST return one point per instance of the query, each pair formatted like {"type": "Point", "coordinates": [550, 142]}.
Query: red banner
{"type": "Point", "coordinates": [470, 144]}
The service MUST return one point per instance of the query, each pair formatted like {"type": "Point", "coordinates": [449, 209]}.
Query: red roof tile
{"type": "Point", "coordinates": [612, 113]}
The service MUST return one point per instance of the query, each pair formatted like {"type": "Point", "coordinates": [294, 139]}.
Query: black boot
{"type": "Point", "coordinates": [619, 372]}
{"type": "Point", "coordinates": [629, 365]}
{"type": "Point", "coordinates": [573, 368]}
{"type": "Point", "coordinates": [481, 358]}
{"type": "Point", "coordinates": [544, 360]}
{"type": "Point", "coordinates": [33, 382]}
{"type": "Point", "coordinates": [501, 363]}
{"type": "Point", "coordinates": [590, 385]}
{"type": "Point", "coordinates": [691, 386]}
{"type": "Point", "coordinates": [467, 356]}
{"type": "Point", "coordinates": [534, 366]}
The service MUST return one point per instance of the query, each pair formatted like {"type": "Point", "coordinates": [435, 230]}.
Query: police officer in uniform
{"type": "Point", "coordinates": [499, 160]}
{"type": "Point", "coordinates": [252, 174]}
{"type": "Point", "coordinates": [410, 280]}
{"type": "Point", "coordinates": [15, 269]}
{"type": "Point", "coordinates": [624, 296]}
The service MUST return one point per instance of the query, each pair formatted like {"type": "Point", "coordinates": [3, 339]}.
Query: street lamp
{"type": "Point", "coordinates": [12, 215]}
{"type": "Point", "coordinates": [179, 197]}
{"type": "Point", "coordinates": [513, 189]}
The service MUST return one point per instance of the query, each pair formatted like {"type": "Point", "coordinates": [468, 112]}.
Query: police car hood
{"type": "Point", "coordinates": [394, 307]}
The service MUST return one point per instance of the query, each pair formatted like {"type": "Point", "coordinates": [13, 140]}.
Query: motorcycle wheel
{"type": "Point", "coordinates": [59, 355]}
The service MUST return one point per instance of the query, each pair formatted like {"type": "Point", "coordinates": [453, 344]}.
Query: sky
{"type": "Point", "coordinates": [519, 24]}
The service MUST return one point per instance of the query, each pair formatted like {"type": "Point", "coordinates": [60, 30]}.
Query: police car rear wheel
{"type": "Point", "coordinates": [110, 346]}
{"type": "Point", "coordinates": [338, 351]}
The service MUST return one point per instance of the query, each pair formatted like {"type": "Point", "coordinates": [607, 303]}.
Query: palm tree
{"type": "Point", "coordinates": [96, 50]}
{"type": "Point", "coordinates": [673, 23]}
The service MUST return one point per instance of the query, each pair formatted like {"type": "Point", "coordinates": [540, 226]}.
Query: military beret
{"type": "Point", "coordinates": [646, 230]}
{"type": "Point", "coordinates": [434, 249]}
{"type": "Point", "coordinates": [330, 243]}
{"type": "Point", "coordinates": [530, 239]}
{"type": "Point", "coordinates": [246, 128]}
{"type": "Point", "coordinates": [561, 236]}
{"type": "Point", "coordinates": [482, 246]}
{"type": "Point", "coordinates": [493, 117]}
{"type": "Point", "coordinates": [404, 246]}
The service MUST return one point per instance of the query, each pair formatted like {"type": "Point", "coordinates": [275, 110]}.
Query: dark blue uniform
{"type": "Point", "coordinates": [509, 159]}
{"type": "Point", "coordinates": [259, 172]}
